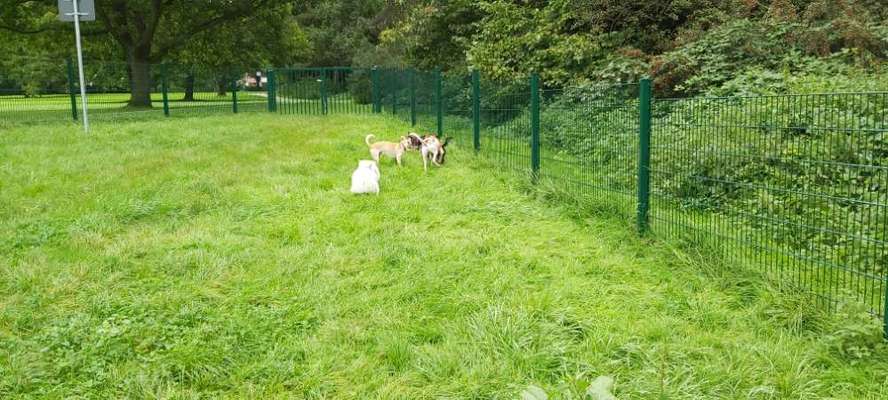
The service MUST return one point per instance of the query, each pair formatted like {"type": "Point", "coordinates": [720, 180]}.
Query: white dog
{"type": "Point", "coordinates": [431, 150]}
{"type": "Point", "coordinates": [365, 179]}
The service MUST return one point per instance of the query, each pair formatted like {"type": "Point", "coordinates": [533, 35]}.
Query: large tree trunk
{"type": "Point", "coordinates": [140, 80]}
{"type": "Point", "coordinates": [189, 87]}
{"type": "Point", "coordinates": [221, 87]}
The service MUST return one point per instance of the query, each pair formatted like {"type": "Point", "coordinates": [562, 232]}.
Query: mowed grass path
{"type": "Point", "coordinates": [224, 258]}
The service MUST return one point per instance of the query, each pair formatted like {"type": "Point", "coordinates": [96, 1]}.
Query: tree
{"type": "Point", "coordinates": [435, 33]}
{"type": "Point", "coordinates": [339, 29]}
{"type": "Point", "coordinates": [277, 41]}
{"type": "Point", "coordinates": [146, 30]}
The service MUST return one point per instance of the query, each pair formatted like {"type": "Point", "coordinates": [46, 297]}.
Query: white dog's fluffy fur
{"type": "Point", "coordinates": [365, 179]}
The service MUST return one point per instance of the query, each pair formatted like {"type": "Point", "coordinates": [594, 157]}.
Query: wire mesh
{"type": "Point", "coordinates": [37, 94]}
{"type": "Point", "coordinates": [322, 91]}
{"type": "Point", "coordinates": [795, 185]}
{"type": "Point", "coordinates": [505, 123]}
{"type": "Point", "coordinates": [589, 143]}
{"type": "Point", "coordinates": [456, 88]}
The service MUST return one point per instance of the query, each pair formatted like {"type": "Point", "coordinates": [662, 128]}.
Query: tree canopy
{"type": "Point", "coordinates": [687, 45]}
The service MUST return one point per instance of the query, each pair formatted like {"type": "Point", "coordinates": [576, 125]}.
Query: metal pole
{"type": "Point", "coordinates": [412, 84]}
{"type": "Point", "coordinates": [395, 78]}
{"type": "Point", "coordinates": [323, 91]}
{"type": "Point", "coordinates": [271, 90]}
{"type": "Point", "coordinates": [439, 89]}
{"type": "Point", "coordinates": [534, 126]}
{"type": "Point", "coordinates": [234, 97]}
{"type": "Point", "coordinates": [80, 66]}
{"type": "Point", "coordinates": [644, 154]}
{"type": "Point", "coordinates": [476, 109]}
{"type": "Point", "coordinates": [374, 81]}
{"type": "Point", "coordinates": [71, 88]}
{"type": "Point", "coordinates": [164, 87]}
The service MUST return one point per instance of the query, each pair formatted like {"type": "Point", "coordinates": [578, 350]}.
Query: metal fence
{"type": "Point", "coordinates": [795, 186]}
{"type": "Point", "coordinates": [119, 90]}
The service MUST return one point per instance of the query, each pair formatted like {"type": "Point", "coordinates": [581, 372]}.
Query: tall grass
{"type": "Point", "coordinates": [224, 258]}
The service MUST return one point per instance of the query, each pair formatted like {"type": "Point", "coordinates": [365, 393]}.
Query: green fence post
{"type": "Point", "coordinates": [323, 91]}
{"type": "Point", "coordinates": [885, 309]}
{"type": "Point", "coordinates": [164, 88]}
{"type": "Point", "coordinates": [234, 97]}
{"type": "Point", "coordinates": [374, 81]}
{"type": "Point", "coordinates": [644, 154]}
{"type": "Point", "coordinates": [394, 88]}
{"type": "Point", "coordinates": [439, 97]}
{"type": "Point", "coordinates": [271, 90]}
{"type": "Point", "coordinates": [476, 109]}
{"type": "Point", "coordinates": [412, 84]}
{"type": "Point", "coordinates": [534, 126]}
{"type": "Point", "coordinates": [71, 89]}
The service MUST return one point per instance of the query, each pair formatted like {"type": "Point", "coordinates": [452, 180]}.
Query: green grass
{"type": "Point", "coordinates": [15, 109]}
{"type": "Point", "coordinates": [109, 106]}
{"type": "Point", "coordinates": [224, 258]}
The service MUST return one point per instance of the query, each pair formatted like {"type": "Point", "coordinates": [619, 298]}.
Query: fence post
{"type": "Point", "coordinates": [644, 154]}
{"type": "Point", "coordinates": [71, 89]}
{"type": "Point", "coordinates": [476, 109]}
{"type": "Point", "coordinates": [271, 90]}
{"type": "Point", "coordinates": [375, 90]}
{"type": "Point", "coordinates": [164, 88]}
{"type": "Point", "coordinates": [534, 126]}
{"type": "Point", "coordinates": [412, 84]}
{"type": "Point", "coordinates": [395, 79]}
{"type": "Point", "coordinates": [234, 96]}
{"type": "Point", "coordinates": [439, 96]}
{"type": "Point", "coordinates": [885, 311]}
{"type": "Point", "coordinates": [323, 91]}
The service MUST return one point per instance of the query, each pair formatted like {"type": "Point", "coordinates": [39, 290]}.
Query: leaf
{"type": "Point", "coordinates": [533, 393]}
{"type": "Point", "coordinates": [600, 389]}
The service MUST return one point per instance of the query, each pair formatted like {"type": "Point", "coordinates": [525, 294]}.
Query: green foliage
{"type": "Point", "coordinates": [540, 34]}
{"type": "Point", "coordinates": [277, 41]}
{"type": "Point", "coordinates": [337, 30]}
{"type": "Point", "coordinates": [435, 33]}
{"type": "Point", "coordinates": [825, 40]}
{"type": "Point", "coordinates": [360, 86]}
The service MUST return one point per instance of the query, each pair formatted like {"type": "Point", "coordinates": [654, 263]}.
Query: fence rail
{"type": "Point", "coordinates": [795, 186]}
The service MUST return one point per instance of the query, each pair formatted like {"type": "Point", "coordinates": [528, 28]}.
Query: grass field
{"type": "Point", "coordinates": [16, 109]}
{"type": "Point", "coordinates": [223, 257]}
{"type": "Point", "coordinates": [104, 106]}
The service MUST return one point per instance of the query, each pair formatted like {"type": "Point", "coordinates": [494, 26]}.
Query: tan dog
{"type": "Point", "coordinates": [390, 149]}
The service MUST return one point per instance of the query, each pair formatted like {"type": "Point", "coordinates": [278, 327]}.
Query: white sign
{"type": "Point", "coordinates": [86, 8]}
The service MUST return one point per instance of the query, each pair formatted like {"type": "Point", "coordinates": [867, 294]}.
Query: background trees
{"type": "Point", "coordinates": [689, 46]}
{"type": "Point", "coordinates": [147, 31]}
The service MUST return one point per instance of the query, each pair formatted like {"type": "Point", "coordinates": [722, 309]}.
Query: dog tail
{"type": "Point", "coordinates": [446, 140]}
{"type": "Point", "coordinates": [367, 139]}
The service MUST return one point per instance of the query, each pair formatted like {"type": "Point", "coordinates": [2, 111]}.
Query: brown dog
{"type": "Point", "coordinates": [415, 141]}
{"type": "Point", "coordinates": [443, 150]}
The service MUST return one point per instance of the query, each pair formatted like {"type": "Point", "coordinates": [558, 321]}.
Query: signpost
{"type": "Point", "coordinates": [79, 10]}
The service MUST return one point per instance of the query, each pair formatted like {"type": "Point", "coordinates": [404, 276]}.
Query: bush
{"type": "Point", "coordinates": [360, 86]}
